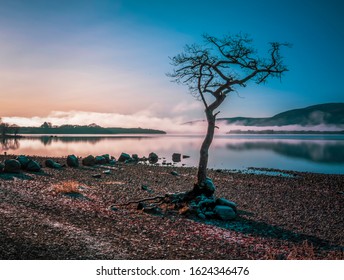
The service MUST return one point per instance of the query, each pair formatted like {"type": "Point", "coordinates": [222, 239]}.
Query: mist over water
{"type": "Point", "coordinates": [312, 153]}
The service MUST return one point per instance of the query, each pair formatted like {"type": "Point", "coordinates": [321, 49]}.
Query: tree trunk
{"type": "Point", "coordinates": [203, 160]}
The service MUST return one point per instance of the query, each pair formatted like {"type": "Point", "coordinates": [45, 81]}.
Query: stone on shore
{"type": "Point", "coordinates": [153, 158]}
{"type": "Point", "coordinates": [33, 166]}
{"type": "Point", "coordinates": [225, 213]}
{"type": "Point", "coordinates": [124, 157]}
{"type": "Point", "coordinates": [24, 161]}
{"type": "Point", "coordinates": [52, 164]}
{"type": "Point", "coordinates": [226, 202]}
{"type": "Point", "coordinates": [12, 166]}
{"type": "Point", "coordinates": [100, 160]}
{"type": "Point", "coordinates": [2, 166]}
{"type": "Point", "coordinates": [88, 161]}
{"type": "Point", "coordinates": [72, 161]}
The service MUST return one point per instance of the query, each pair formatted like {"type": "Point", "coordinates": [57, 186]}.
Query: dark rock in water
{"type": "Point", "coordinates": [124, 157]}
{"type": "Point", "coordinates": [185, 156]}
{"type": "Point", "coordinates": [33, 166]}
{"type": "Point", "coordinates": [107, 158]}
{"type": "Point", "coordinates": [2, 166]}
{"type": "Point", "coordinates": [97, 176]}
{"type": "Point", "coordinates": [72, 161]}
{"type": "Point", "coordinates": [100, 160]}
{"type": "Point", "coordinates": [176, 157]}
{"type": "Point", "coordinates": [153, 158]}
{"type": "Point", "coordinates": [226, 202]}
{"type": "Point", "coordinates": [225, 213]}
{"type": "Point", "coordinates": [12, 166]}
{"type": "Point", "coordinates": [174, 173]}
{"type": "Point", "coordinates": [88, 161]}
{"type": "Point", "coordinates": [52, 164]}
{"type": "Point", "coordinates": [24, 161]}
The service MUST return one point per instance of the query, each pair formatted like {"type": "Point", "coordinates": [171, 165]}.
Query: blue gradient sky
{"type": "Point", "coordinates": [64, 58]}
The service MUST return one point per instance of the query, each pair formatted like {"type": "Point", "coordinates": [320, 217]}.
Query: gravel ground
{"type": "Point", "coordinates": [298, 217]}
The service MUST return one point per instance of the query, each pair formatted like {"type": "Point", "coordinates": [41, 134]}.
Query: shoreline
{"type": "Point", "coordinates": [280, 217]}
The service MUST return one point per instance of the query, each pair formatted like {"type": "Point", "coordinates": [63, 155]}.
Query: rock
{"type": "Point", "coordinates": [88, 161]}
{"type": "Point", "coordinates": [124, 157]}
{"type": "Point", "coordinates": [174, 173]}
{"type": "Point", "coordinates": [100, 160]}
{"type": "Point", "coordinates": [107, 158]}
{"type": "Point", "coordinates": [72, 161]}
{"type": "Point", "coordinates": [33, 166]}
{"type": "Point", "coordinates": [185, 156]}
{"type": "Point", "coordinates": [97, 176]}
{"type": "Point", "coordinates": [52, 164]}
{"type": "Point", "coordinates": [12, 166]}
{"type": "Point", "coordinates": [107, 171]}
{"type": "Point", "coordinates": [2, 166]}
{"type": "Point", "coordinates": [176, 157]}
{"type": "Point", "coordinates": [208, 188]}
{"type": "Point", "coordinates": [225, 213]}
{"type": "Point", "coordinates": [153, 158]}
{"type": "Point", "coordinates": [202, 216]}
{"type": "Point", "coordinates": [135, 157]}
{"type": "Point", "coordinates": [24, 161]}
{"type": "Point", "coordinates": [112, 162]}
{"type": "Point", "coordinates": [226, 202]}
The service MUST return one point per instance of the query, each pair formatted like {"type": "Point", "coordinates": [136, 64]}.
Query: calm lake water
{"type": "Point", "coordinates": [313, 153]}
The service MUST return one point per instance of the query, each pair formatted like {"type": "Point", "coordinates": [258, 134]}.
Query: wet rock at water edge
{"type": "Point", "coordinates": [176, 157]}
{"type": "Point", "coordinates": [225, 213]}
{"type": "Point", "coordinates": [2, 166]}
{"type": "Point", "coordinates": [52, 164]}
{"type": "Point", "coordinates": [12, 166]}
{"type": "Point", "coordinates": [88, 161]}
{"type": "Point", "coordinates": [135, 157]}
{"type": "Point", "coordinates": [24, 161]}
{"type": "Point", "coordinates": [124, 157]}
{"type": "Point", "coordinates": [72, 161]}
{"type": "Point", "coordinates": [33, 166]}
{"type": "Point", "coordinates": [153, 158]}
{"type": "Point", "coordinates": [100, 160]}
{"type": "Point", "coordinates": [107, 158]}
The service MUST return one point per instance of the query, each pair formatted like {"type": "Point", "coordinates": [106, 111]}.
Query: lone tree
{"type": "Point", "coordinates": [217, 68]}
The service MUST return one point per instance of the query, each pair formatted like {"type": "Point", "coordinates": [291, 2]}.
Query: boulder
{"type": "Point", "coordinates": [176, 157]}
{"type": "Point", "coordinates": [225, 213]}
{"type": "Point", "coordinates": [72, 161]}
{"type": "Point", "coordinates": [226, 202]}
{"type": "Point", "coordinates": [24, 161]}
{"type": "Point", "coordinates": [89, 161]}
{"type": "Point", "coordinates": [52, 164]}
{"type": "Point", "coordinates": [33, 166]}
{"type": "Point", "coordinates": [12, 166]}
{"type": "Point", "coordinates": [208, 188]}
{"type": "Point", "coordinates": [124, 157]}
{"type": "Point", "coordinates": [107, 158]}
{"type": "Point", "coordinates": [174, 173]}
{"type": "Point", "coordinates": [135, 157]}
{"type": "Point", "coordinates": [100, 160]}
{"type": "Point", "coordinates": [153, 158]}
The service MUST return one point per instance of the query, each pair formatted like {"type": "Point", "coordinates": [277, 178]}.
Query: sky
{"type": "Point", "coordinates": [105, 61]}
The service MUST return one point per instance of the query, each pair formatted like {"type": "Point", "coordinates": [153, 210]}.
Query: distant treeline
{"type": "Point", "coordinates": [270, 131]}
{"type": "Point", "coordinates": [76, 129]}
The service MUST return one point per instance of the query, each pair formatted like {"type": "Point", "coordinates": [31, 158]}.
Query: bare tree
{"type": "Point", "coordinates": [217, 68]}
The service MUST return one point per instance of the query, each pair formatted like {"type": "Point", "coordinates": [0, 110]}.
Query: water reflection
{"type": "Point", "coordinates": [316, 151]}
{"type": "Point", "coordinates": [314, 154]}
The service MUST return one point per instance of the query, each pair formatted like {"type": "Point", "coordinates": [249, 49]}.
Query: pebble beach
{"type": "Point", "coordinates": [68, 213]}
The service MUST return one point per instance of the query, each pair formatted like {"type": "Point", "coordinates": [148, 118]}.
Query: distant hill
{"type": "Point", "coordinates": [86, 129]}
{"type": "Point", "coordinates": [325, 114]}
